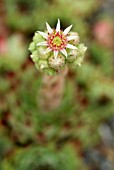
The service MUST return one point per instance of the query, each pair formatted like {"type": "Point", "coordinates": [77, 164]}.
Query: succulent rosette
{"type": "Point", "coordinates": [53, 49]}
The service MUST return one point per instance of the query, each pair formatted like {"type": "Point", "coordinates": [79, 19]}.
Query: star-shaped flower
{"type": "Point", "coordinates": [57, 40]}
{"type": "Point", "coordinates": [54, 49]}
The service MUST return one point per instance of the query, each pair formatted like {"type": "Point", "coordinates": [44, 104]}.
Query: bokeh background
{"type": "Point", "coordinates": [80, 132]}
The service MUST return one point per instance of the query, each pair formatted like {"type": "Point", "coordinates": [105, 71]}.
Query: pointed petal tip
{"type": "Point", "coordinates": [70, 26]}
{"type": "Point", "coordinates": [72, 37]}
{"type": "Point", "coordinates": [71, 46]}
{"type": "Point", "coordinates": [58, 26]}
{"type": "Point", "coordinates": [44, 43]}
{"type": "Point", "coordinates": [49, 29]}
{"type": "Point", "coordinates": [43, 34]}
{"type": "Point", "coordinates": [64, 52]}
{"type": "Point", "coordinates": [66, 31]}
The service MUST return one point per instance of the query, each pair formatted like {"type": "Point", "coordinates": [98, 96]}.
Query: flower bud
{"type": "Point", "coordinates": [37, 38]}
{"type": "Point", "coordinates": [34, 56]}
{"type": "Point", "coordinates": [32, 47]}
{"type": "Point", "coordinates": [41, 64]}
{"type": "Point", "coordinates": [72, 55]}
{"type": "Point", "coordinates": [58, 62]}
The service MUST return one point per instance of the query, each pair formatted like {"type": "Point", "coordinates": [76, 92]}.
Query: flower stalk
{"type": "Point", "coordinates": [52, 90]}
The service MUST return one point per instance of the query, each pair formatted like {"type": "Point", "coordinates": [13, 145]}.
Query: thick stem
{"type": "Point", "coordinates": [52, 90]}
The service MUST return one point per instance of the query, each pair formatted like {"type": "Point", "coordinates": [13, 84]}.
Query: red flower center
{"type": "Point", "coordinates": [57, 41]}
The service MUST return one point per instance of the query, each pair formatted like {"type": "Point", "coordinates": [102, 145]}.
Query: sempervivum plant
{"type": "Point", "coordinates": [54, 49]}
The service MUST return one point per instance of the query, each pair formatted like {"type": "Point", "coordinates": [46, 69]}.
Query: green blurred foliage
{"type": "Point", "coordinates": [29, 137]}
{"type": "Point", "coordinates": [15, 54]}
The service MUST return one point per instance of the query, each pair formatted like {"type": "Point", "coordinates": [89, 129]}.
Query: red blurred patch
{"type": "Point", "coordinates": [103, 32]}
{"type": "Point", "coordinates": [3, 45]}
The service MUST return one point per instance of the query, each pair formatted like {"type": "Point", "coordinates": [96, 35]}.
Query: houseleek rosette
{"type": "Point", "coordinates": [53, 49]}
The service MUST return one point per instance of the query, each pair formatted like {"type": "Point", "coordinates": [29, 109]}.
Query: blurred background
{"type": "Point", "coordinates": [80, 132]}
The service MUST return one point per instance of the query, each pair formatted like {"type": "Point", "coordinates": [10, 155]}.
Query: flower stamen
{"type": "Point", "coordinates": [57, 41]}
